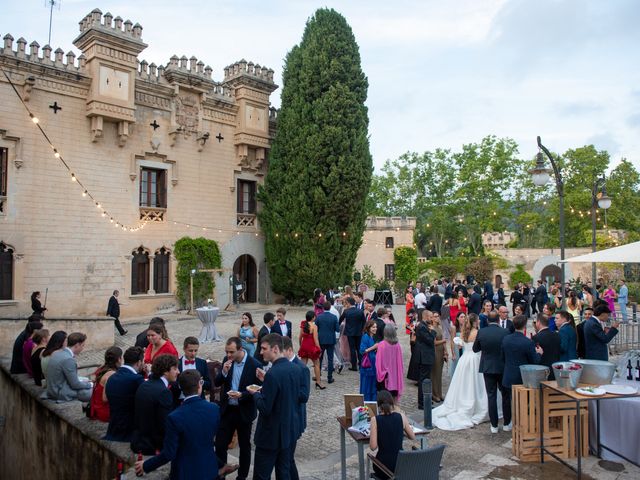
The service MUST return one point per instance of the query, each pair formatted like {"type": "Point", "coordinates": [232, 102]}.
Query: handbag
{"type": "Point", "coordinates": [366, 361]}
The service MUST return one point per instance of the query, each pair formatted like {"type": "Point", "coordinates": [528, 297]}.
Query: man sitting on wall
{"type": "Point", "coordinates": [63, 384]}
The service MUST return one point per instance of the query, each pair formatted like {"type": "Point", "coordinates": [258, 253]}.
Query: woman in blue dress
{"type": "Point", "coordinates": [248, 334]}
{"type": "Point", "coordinates": [368, 346]}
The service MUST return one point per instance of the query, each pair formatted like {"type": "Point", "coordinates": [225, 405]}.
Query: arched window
{"type": "Point", "coordinates": [161, 271]}
{"type": "Point", "coordinates": [6, 272]}
{"type": "Point", "coordinates": [140, 272]}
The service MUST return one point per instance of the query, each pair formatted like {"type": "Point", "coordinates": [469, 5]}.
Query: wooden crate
{"type": "Point", "coordinates": [559, 427]}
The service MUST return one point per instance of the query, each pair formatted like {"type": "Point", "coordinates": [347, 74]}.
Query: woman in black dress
{"type": "Point", "coordinates": [40, 340]}
{"type": "Point", "coordinates": [36, 305]}
{"type": "Point", "coordinates": [387, 432]}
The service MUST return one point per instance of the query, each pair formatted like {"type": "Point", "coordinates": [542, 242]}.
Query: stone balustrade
{"type": "Point", "coordinates": [95, 19]}
{"type": "Point", "coordinates": [248, 68]}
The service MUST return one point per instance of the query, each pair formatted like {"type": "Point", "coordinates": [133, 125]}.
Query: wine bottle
{"type": "Point", "coordinates": [630, 370]}
{"type": "Point", "coordinates": [139, 459]}
{"type": "Point", "coordinates": [121, 475]}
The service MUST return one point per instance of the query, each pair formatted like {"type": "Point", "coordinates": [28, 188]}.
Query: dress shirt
{"type": "Point", "coordinates": [191, 396]}
{"type": "Point", "coordinates": [165, 381]}
{"type": "Point", "coordinates": [283, 328]}
{"type": "Point", "coordinates": [191, 366]}
{"type": "Point", "coordinates": [235, 378]}
{"type": "Point", "coordinates": [420, 300]}
{"type": "Point", "coordinates": [70, 351]}
{"type": "Point", "coordinates": [503, 323]}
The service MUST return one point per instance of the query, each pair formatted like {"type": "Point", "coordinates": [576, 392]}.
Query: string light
{"type": "Point", "coordinates": [73, 177]}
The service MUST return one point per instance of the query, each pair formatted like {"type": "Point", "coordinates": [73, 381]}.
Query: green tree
{"type": "Point", "coordinates": [406, 262]}
{"type": "Point", "coordinates": [320, 167]}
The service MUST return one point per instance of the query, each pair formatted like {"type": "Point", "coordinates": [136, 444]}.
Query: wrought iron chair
{"type": "Point", "coordinates": [413, 464]}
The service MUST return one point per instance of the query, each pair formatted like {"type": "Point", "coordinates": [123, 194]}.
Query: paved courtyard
{"type": "Point", "coordinates": [470, 454]}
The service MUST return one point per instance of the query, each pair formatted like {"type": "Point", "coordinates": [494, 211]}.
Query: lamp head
{"type": "Point", "coordinates": [540, 174]}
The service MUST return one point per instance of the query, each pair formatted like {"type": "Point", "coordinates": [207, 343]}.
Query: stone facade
{"type": "Point", "coordinates": [497, 239]}
{"type": "Point", "coordinates": [382, 236]}
{"type": "Point", "coordinates": [163, 151]}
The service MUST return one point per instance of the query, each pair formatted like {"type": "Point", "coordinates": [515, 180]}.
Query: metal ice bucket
{"type": "Point", "coordinates": [566, 378]}
{"type": "Point", "coordinates": [532, 375]}
{"type": "Point", "coordinates": [596, 372]}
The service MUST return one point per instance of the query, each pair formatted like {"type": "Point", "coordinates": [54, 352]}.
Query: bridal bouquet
{"type": "Point", "coordinates": [360, 420]}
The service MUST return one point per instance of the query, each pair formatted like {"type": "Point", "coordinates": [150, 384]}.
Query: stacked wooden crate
{"type": "Point", "coordinates": [559, 425]}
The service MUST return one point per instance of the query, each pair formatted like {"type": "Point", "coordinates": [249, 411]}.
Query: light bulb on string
{"type": "Point", "coordinates": [73, 177]}
{"type": "Point", "coordinates": [104, 214]}
{"type": "Point", "coordinates": [84, 194]}
{"type": "Point", "coordinates": [98, 205]}
{"type": "Point", "coordinates": [111, 220]}
{"type": "Point", "coordinates": [34, 119]}
{"type": "Point", "coordinates": [56, 154]}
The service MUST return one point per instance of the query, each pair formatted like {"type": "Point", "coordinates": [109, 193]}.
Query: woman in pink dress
{"type": "Point", "coordinates": [610, 296]}
{"type": "Point", "coordinates": [389, 363]}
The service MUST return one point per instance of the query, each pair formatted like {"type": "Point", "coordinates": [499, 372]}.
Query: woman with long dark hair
{"type": "Point", "coordinates": [310, 345]}
{"type": "Point", "coordinates": [57, 342]}
{"type": "Point", "coordinates": [40, 339]}
{"type": "Point", "coordinates": [158, 345]}
{"type": "Point", "coordinates": [368, 346]}
{"type": "Point", "coordinates": [99, 405]}
{"type": "Point", "coordinates": [248, 334]}
{"type": "Point", "coordinates": [387, 433]}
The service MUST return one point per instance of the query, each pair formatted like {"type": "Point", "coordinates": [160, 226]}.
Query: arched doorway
{"type": "Point", "coordinates": [498, 281]}
{"type": "Point", "coordinates": [245, 268]}
{"type": "Point", "coordinates": [551, 273]}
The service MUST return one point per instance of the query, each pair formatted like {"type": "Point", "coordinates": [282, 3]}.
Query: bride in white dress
{"type": "Point", "coordinates": [465, 404]}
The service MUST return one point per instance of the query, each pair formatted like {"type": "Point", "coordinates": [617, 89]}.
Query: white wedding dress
{"type": "Point", "coordinates": [465, 403]}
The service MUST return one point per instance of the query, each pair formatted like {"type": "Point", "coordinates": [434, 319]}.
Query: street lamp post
{"type": "Point", "coordinates": [540, 176]}
{"type": "Point", "coordinates": [599, 198]}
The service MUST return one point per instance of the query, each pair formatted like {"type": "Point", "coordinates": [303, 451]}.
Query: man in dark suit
{"type": "Point", "coordinates": [190, 361]}
{"type": "Point", "coordinates": [17, 365]}
{"type": "Point", "coordinates": [141, 339]}
{"type": "Point", "coordinates": [489, 342]}
{"type": "Point", "coordinates": [488, 291]}
{"type": "Point", "coordinates": [587, 313]}
{"type": "Point", "coordinates": [353, 319]}
{"type": "Point", "coordinates": [305, 386]}
{"type": "Point", "coordinates": [237, 406]}
{"type": "Point", "coordinates": [282, 326]}
{"type": "Point", "coordinates": [269, 319]}
{"type": "Point", "coordinates": [278, 403]}
{"type": "Point", "coordinates": [518, 350]}
{"type": "Point", "coordinates": [369, 310]}
{"type": "Point", "coordinates": [426, 354]}
{"type": "Point", "coordinates": [549, 341]}
{"type": "Point", "coordinates": [328, 326]}
{"type": "Point", "coordinates": [188, 444]}
{"type": "Point", "coordinates": [474, 305]}
{"type": "Point", "coordinates": [153, 404]}
{"type": "Point", "coordinates": [121, 390]}
{"type": "Point", "coordinates": [113, 310]}
{"type": "Point", "coordinates": [568, 337]}
{"type": "Point", "coordinates": [540, 295]}
{"type": "Point", "coordinates": [504, 321]}
{"type": "Point", "coordinates": [434, 304]}
{"type": "Point", "coordinates": [597, 336]}
{"type": "Point", "coordinates": [359, 301]}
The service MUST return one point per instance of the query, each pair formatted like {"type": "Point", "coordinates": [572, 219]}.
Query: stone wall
{"type": "Point", "coordinates": [99, 331]}
{"type": "Point", "coordinates": [49, 441]}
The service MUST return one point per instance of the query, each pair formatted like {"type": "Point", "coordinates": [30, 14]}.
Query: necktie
{"type": "Point", "coordinates": [189, 362]}
{"type": "Point", "coordinates": [502, 324]}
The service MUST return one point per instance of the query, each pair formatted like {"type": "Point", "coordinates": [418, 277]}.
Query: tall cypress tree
{"type": "Point", "coordinates": [320, 167]}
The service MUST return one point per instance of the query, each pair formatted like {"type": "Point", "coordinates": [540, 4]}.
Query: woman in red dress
{"type": "Point", "coordinates": [310, 346]}
{"type": "Point", "coordinates": [99, 406]}
{"type": "Point", "coordinates": [159, 344]}
{"type": "Point", "coordinates": [408, 298]}
{"type": "Point", "coordinates": [457, 304]}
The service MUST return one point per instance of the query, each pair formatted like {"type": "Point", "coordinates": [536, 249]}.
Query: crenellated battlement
{"type": "Point", "coordinates": [60, 60]}
{"type": "Point", "coordinates": [248, 68]}
{"type": "Point", "coordinates": [116, 25]}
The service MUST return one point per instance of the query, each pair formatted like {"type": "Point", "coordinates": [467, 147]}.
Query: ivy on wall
{"type": "Point", "coordinates": [195, 253]}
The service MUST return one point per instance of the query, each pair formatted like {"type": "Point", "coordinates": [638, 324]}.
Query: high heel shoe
{"type": "Point", "coordinates": [318, 386]}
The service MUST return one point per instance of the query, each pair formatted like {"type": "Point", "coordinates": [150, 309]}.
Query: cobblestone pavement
{"type": "Point", "coordinates": [471, 454]}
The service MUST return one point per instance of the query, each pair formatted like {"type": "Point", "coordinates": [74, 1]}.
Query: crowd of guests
{"type": "Point", "coordinates": [155, 399]}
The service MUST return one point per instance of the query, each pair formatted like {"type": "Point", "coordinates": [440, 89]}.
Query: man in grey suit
{"type": "Point", "coordinates": [63, 384]}
{"type": "Point", "coordinates": [328, 326]}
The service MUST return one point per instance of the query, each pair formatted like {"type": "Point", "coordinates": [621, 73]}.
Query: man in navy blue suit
{"type": "Point", "coordinates": [237, 406]}
{"type": "Point", "coordinates": [121, 392]}
{"type": "Point", "coordinates": [190, 361]}
{"type": "Point", "coordinates": [504, 321]}
{"type": "Point", "coordinates": [568, 337]}
{"type": "Point", "coordinates": [328, 326]}
{"type": "Point", "coordinates": [278, 404]}
{"type": "Point", "coordinates": [153, 403]}
{"type": "Point", "coordinates": [269, 320]}
{"type": "Point", "coordinates": [489, 342]}
{"type": "Point", "coordinates": [518, 350]}
{"type": "Point", "coordinates": [353, 324]}
{"type": "Point", "coordinates": [188, 443]}
{"type": "Point", "coordinates": [596, 336]}
{"type": "Point", "coordinates": [282, 325]}
{"type": "Point", "coordinates": [305, 386]}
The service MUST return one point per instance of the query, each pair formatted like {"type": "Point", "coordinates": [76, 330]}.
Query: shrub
{"type": "Point", "coordinates": [519, 275]}
{"type": "Point", "coordinates": [195, 253]}
{"type": "Point", "coordinates": [406, 261]}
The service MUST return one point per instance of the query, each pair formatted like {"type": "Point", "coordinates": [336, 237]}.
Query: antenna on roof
{"type": "Point", "coordinates": [51, 4]}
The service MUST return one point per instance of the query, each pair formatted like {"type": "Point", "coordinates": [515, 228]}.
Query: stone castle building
{"type": "Point", "coordinates": [382, 235]}
{"type": "Point", "coordinates": [154, 153]}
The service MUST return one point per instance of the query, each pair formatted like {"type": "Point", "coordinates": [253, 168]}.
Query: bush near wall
{"type": "Point", "coordinates": [406, 261]}
{"type": "Point", "coordinates": [196, 253]}
{"type": "Point", "coordinates": [450, 267]}
{"type": "Point", "coordinates": [519, 275]}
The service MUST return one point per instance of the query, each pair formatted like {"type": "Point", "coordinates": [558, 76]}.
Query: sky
{"type": "Point", "coordinates": [441, 73]}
